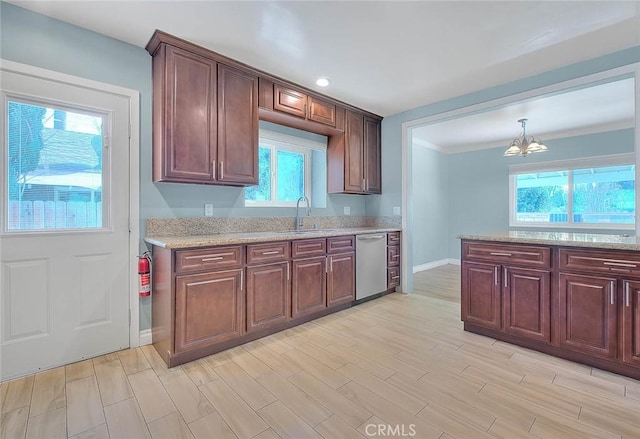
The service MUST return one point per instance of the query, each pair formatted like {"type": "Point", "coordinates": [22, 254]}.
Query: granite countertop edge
{"type": "Point", "coordinates": [583, 240]}
{"type": "Point", "coordinates": [194, 241]}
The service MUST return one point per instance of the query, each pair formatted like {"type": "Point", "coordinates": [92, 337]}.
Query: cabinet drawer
{"type": "Point", "coordinates": [393, 256]}
{"type": "Point", "coordinates": [271, 252]}
{"type": "Point", "coordinates": [309, 247]}
{"type": "Point", "coordinates": [208, 258]}
{"type": "Point", "coordinates": [289, 101]}
{"type": "Point", "coordinates": [600, 261]}
{"type": "Point", "coordinates": [341, 244]}
{"type": "Point", "coordinates": [530, 255]}
{"type": "Point", "coordinates": [322, 111]}
{"type": "Point", "coordinates": [393, 238]}
{"type": "Point", "coordinates": [393, 277]}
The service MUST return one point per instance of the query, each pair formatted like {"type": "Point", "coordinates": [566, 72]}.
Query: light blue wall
{"type": "Point", "coordinates": [430, 205]}
{"type": "Point", "coordinates": [478, 181]}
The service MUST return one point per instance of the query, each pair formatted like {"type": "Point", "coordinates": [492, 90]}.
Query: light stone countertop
{"type": "Point", "coordinates": [192, 241]}
{"type": "Point", "coordinates": [570, 239]}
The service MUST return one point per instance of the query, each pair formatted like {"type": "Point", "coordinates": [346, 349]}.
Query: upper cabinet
{"type": "Point", "coordinates": [205, 119]}
{"type": "Point", "coordinates": [354, 160]}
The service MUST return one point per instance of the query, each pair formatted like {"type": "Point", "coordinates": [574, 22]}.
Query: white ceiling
{"type": "Point", "coordinates": [598, 108]}
{"type": "Point", "coordinates": [383, 56]}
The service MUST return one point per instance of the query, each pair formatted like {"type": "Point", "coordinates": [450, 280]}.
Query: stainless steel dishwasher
{"type": "Point", "coordinates": [371, 264]}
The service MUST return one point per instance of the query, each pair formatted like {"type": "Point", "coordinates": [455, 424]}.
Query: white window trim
{"type": "Point", "coordinates": [566, 165]}
{"type": "Point", "coordinates": [283, 142]}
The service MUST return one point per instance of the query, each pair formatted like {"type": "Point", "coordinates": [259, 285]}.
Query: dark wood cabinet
{"type": "Point", "coordinates": [309, 292]}
{"type": "Point", "coordinates": [341, 279]}
{"type": "Point", "coordinates": [582, 304]}
{"type": "Point", "coordinates": [372, 156]}
{"type": "Point", "coordinates": [268, 295]}
{"type": "Point", "coordinates": [526, 303]}
{"type": "Point", "coordinates": [205, 117]}
{"type": "Point", "coordinates": [302, 105]}
{"type": "Point", "coordinates": [481, 298]}
{"type": "Point", "coordinates": [393, 260]}
{"type": "Point", "coordinates": [355, 158]}
{"type": "Point", "coordinates": [237, 126]}
{"type": "Point", "coordinates": [587, 314]}
{"type": "Point", "coordinates": [631, 323]}
{"type": "Point", "coordinates": [184, 116]}
{"type": "Point", "coordinates": [208, 309]}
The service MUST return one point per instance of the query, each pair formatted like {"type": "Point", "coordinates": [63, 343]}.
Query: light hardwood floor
{"type": "Point", "coordinates": [397, 364]}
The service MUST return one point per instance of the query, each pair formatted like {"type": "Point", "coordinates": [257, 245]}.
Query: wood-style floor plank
{"type": "Point", "coordinates": [79, 370]}
{"type": "Point", "coordinates": [171, 426]}
{"type": "Point", "coordinates": [244, 422]}
{"type": "Point", "coordinates": [286, 423]}
{"type": "Point", "coordinates": [191, 403]}
{"type": "Point", "coordinates": [84, 407]}
{"type": "Point", "coordinates": [14, 424]}
{"type": "Point", "coordinates": [334, 427]}
{"type": "Point", "coordinates": [244, 385]}
{"type": "Point", "coordinates": [133, 361]}
{"type": "Point", "coordinates": [48, 391]}
{"type": "Point", "coordinates": [16, 394]}
{"type": "Point", "coordinates": [112, 381]}
{"type": "Point", "coordinates": [200, 372]}
{"type": "Point", "coordinates": [211, 426]}
{"type": "Point", "coordinates": [50, 425]}
{"type": "Point", "coordinates": [99, 432]}
{"type": "Point", "coordinates": [151, 395]}
{"type": "Point", "coordinates": [125, 420]}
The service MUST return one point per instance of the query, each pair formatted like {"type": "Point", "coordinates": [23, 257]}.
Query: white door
{"type": "Point", "coordinates": [64, 250]}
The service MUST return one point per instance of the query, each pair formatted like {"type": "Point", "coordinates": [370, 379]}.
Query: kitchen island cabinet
{"type": "Point", "coordinates": [576, 299]}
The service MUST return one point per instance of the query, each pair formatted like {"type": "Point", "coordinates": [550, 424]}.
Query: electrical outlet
{"type": "Point", "coordinates": [396, 210]}
{"type": "Point", "coordinates": [208, 210]}
{"type": "Point", "coordinates": [347, 210]}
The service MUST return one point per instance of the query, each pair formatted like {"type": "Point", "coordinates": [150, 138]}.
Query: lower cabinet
{"type": "Point", "coordinates": [587, 314]}
{"type": "Point", "coordinates": [208, 309]}
{"type": "Point", "coordinates": [341, 285]}
{"type": "Point", "coordinates": [577, 303]}
{"type": "Point", "coordinates": [481, 299]}
{"type": "Point", "coordinates": [268, 295]}
{"type": "Point", "coordinates": [526, 303]}
{"type": "Point", "coordinates": [631, 323]}
{"type": "Point", "coordinates": [309, 292]}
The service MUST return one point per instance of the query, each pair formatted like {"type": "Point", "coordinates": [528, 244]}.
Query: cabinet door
{"type": "Point", "coordinates": [372, 156]}
{"type": "Point", "coordinates": [341, 279]}
{"type": "Point", "coordinates": [354, 149]}
{"type": "Point", "coordinates": [481, 294]}
{"type": "Point", "coordinates": [631, 323]}
{"type": "Point", "coordinates": [526, 304]}
{"type": "Point", "coordinates": [188, 145]}
{"type": "Point", "coordinates": [587, 314]}
{"type": "Point", "coordinates": [268, 295]}
{"type": "Point", "coordinates": [237, 127]}
{"type": "Point", "coordinates": [289, 101]}
{"type": "Point", "coordinates": [209, 309]}
{"type": "Point", "coordinates": [322, 111]}
{"type": "Point", "coordinates": [308, 288]}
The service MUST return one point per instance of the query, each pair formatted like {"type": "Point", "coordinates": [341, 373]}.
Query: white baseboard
{"type": "Point", "coordinates": [434, 264]}
{"type": "Point", "coordinates": [145, 337]}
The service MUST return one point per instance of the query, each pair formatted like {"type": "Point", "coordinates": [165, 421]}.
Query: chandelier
{"type": "Point", "coordinates": [525, 145]}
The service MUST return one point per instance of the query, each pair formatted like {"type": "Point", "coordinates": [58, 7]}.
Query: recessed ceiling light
{"type": "Point", "coordinates": [322, 82]}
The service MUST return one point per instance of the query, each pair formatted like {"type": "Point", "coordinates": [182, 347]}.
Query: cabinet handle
{"type": "Point", "coordinates": [611, 292]}
{"type": "Point", "coordinates": [395, 277]}
{"type": "Point", "coordinates": [217, 258]}
{"type": "Point", "coordinates": [395, 256]}
{"type": "Point", "coordinates": [241, 281]}
{"type": "Point", "coordinates": [495, 275]}
{"type": "Point", "coordinates": [273, 252]}
{"type": "Point", "coordinates": [213, 168]}
{"type": "Point", "coordinates": [330, 264]}
{"type": "Point", "coordinates": [221, 170]}
{"type": "Point", "coordinates": [626, 294]}
{"type": "Point", "coordinates": [288, 272]}
{"type": "Point", "coordinates": [499, 254]}
{"type": "Point", "coordinates": [326, 265]}
{"type": "Point", "coordinates": [364, 184]}
{"type": "Point", "coordinates": [506, 280]}
{"type": "Point", "coordinates": [620, 264]}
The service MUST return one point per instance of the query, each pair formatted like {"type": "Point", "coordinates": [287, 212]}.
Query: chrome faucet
{"type": "Point", "coordinates": [299, 222]}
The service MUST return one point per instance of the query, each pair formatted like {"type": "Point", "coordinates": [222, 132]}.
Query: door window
{"type": "Point", "coordinates": [54, 168]}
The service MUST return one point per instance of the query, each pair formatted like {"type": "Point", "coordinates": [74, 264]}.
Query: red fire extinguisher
{"type": "Point", "coordinates": [144, 274]}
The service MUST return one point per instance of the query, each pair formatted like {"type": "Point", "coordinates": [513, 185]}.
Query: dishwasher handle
{"type": "Point", "coordinates": [369, 237]}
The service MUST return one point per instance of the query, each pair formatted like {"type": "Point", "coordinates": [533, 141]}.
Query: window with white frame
{"type": "Point", "coordinates": [285, 168]}
{"type": "Point", "coordinates": [596, 192]}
